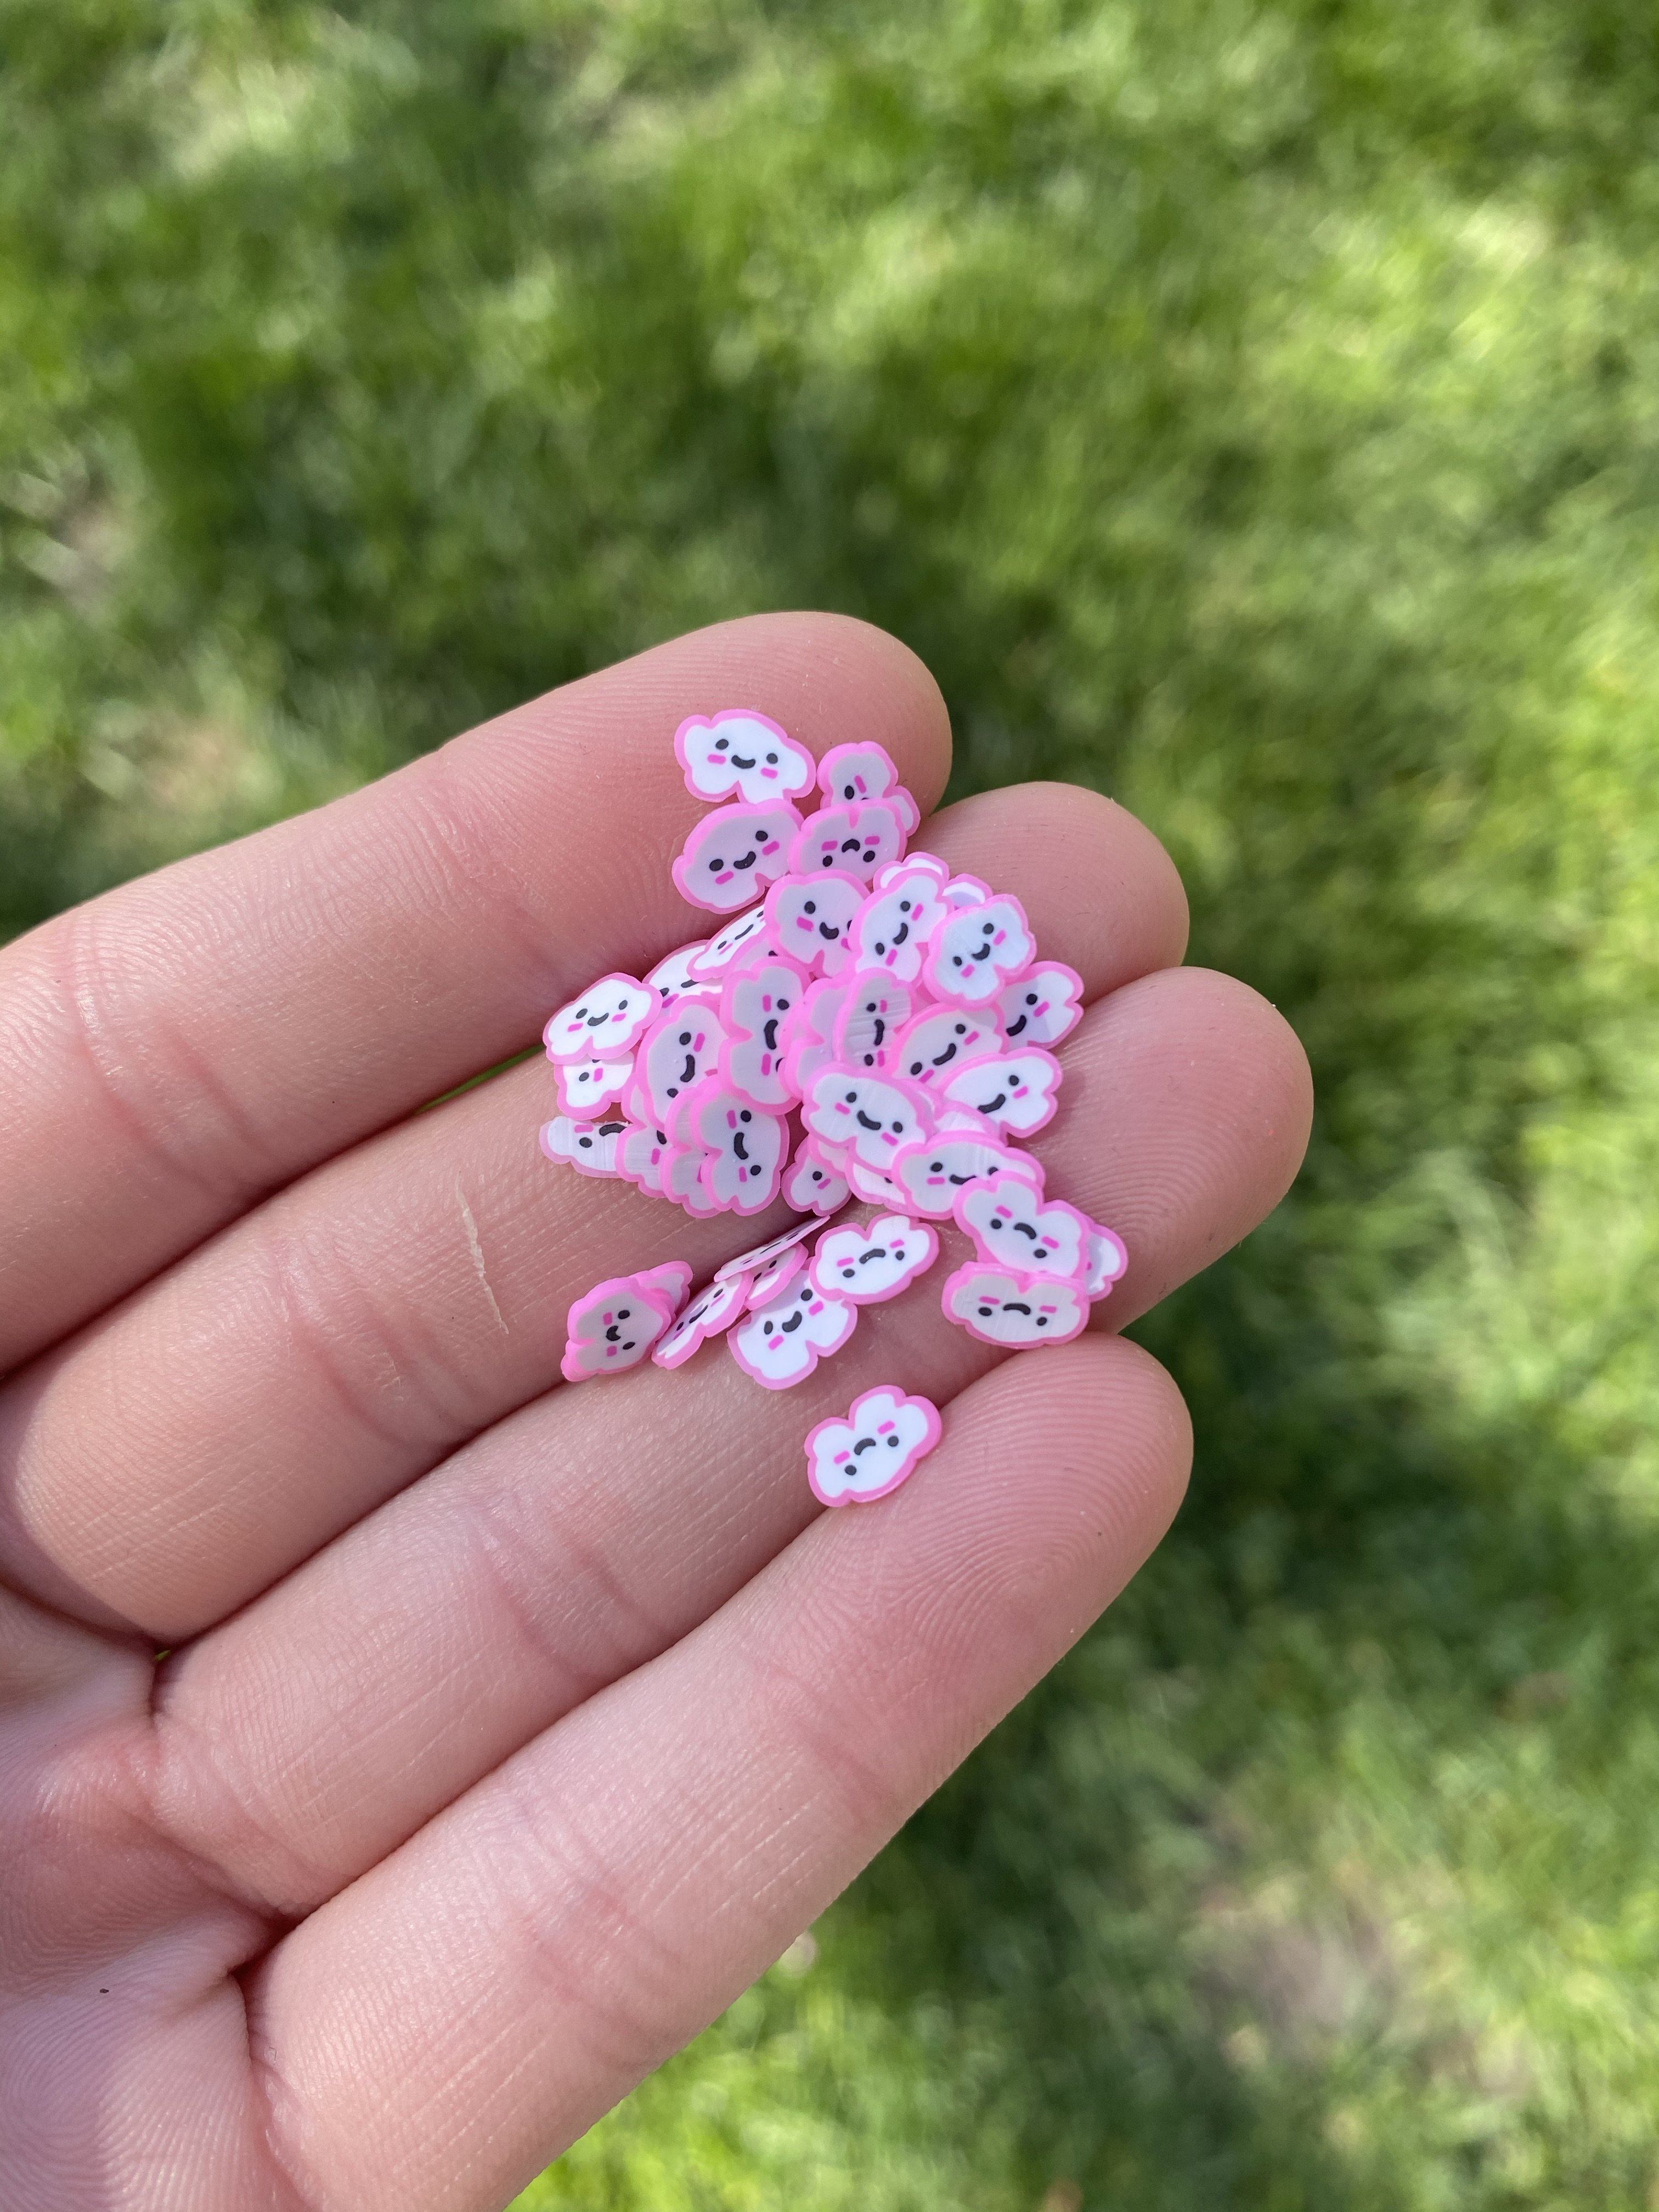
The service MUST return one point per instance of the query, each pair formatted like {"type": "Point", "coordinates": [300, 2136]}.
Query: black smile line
{"type": "Point", "coordinates": [689, 1073]}
{"type": "Point", "coordinates": [993, 1105]}
{"type": "Point", "coordinates": [770, 1033]}
{"type": "Point", "coordinates": [879, 1253]}
{"type": "Point", "coordinates": [864, 1443]}
{"type": "Point", "coordinates": [1015, 1030]}
{"type": "Point", "coordinates": [1013, 1305]}
{"type": "Point", "coordinates": [831, 930]}
{"type": "Point", "coordinates": [1024, 1229]}
{"type": "Point", "coordinates": [749, 860]}
{"type": "Point", "coordinates": [740, 1147]}
{"type": "Point", "coordinates": [961, 1179]}
{"type": "Point", "coordinates": [865, 1122]}
{"type": "Point", "coordinates": [738, 761]}
{"type": "Point", "coordinates": [597, 1021]}
{"type": "Point", "coordinates": [946, 1056]}
{"type": "Point", "coordinates": [983, 953]}
{"type": "Point", "coordinates": [611, 1335]}
{"type": "Point", "coordinates": [900, 934]}
{"type": "Point", "coordinates": [787, 1327]}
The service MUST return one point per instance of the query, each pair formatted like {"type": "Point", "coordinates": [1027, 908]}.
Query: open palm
{"type": "Point", "coordinates": [504, 1731]}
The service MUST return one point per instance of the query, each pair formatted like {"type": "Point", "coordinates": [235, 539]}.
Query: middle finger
{"type": "Point", "coordinates": [189, 1447]}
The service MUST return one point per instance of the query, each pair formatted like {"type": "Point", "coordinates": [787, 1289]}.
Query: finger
{"type": "Point", "coordinates": [175, 1049]}
{"type": "Point", "coordinates": [591, 1905]}
{"type": "Point", "coordinates": [304, 1739]}
{"type": "Point", "coordinates": [239, 1411]}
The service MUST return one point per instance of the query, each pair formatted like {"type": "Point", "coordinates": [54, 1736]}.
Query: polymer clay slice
{"type": "Point", "coordinates": [740, 753]}
{"type": "Point", "coordinates": [810, 1180]}
{"type": "Point", "coordinates": [729, 943]}
{"type": "Point", "coordinates": [1014, 1091]}
{"type": "Point", "coordinates": [713, 1310]}
{"type": "Point", "coordinates": [750, 1263]}
{"type": "Point", "coordinates": [773, 1275]}
{"type": "Point", "coordinates": [851, 840]}
{"type": "Point", "coordinates": [586, 1086]}
{"type": "Point", "coordinates": [895, 926]}
{"type": "Point", "coordinates": [733, 852]}
{"type": "Point", "coordinates": [1013, 1226]}
{"type": "Point", "coordinates": [743, 1146]}
{"type": "Point", "coordinates": [873, 1261]}
{"type": "Point", "coordinates": [931, 1173]}
{"type": "Point", "coordinates": [590, 1148]}
{"type": "Point", "coordinates": [874, 1010]}
{"type": "Point", "coordinates": [979, 950]}
{"type": "Point", "coordinates": [883, 1438]}
{"type": "Point", "coordinates": [604, 1022]}
{"type": "Point", "coordinates": [755, 1007]}
{"type": "Point", "coordinates": [614, 1325]}
{"type": "Point", "coordinates": [1043, 1006]}
{"type": "Point", "coordinates": [811, 918]}
{"type": "Point", "coordinates": [1108, 1258]}
{"type": "Point", "coordinates": [781, 1343]}
{"type": "Point", "coordinates": [1013, 1310]}
{"type": "Point", "coordinates": [876, 1117]}
{"type": "Point", "coordinates": [850, 774]}
{"type": "Point", "coordinates": [940, 1040]}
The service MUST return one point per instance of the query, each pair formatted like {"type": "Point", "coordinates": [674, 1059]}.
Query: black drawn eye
{"type": "Point", "coordinates": [723, 744]}
{"type": "Point", "coordinates": [717, 862]}
{"type": "Point", "coordinates": [771, 760]}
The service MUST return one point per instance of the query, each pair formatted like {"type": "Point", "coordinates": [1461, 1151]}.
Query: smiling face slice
{"type": "Point", "coordinates": [743, 754]}
{"type": "Point", "coordinates": [782, 1342]}
{"type": "Point", "coordinates": [743, 1149]}
{"type": "Point", "coordinates": [1013, 1091]}
{"type": "Point", "coordinates": [604, 1022]}
{"type": "Point", "coordinates": [810, 921]}
{"type": "Point", "coordinates": [853, 841]}
{"type": "Point", "coordinates": [872, 1115]}
{"type": "Point", "coordinates": [936, 1044]}
{"type": "Point", "coordinates": [978, 950]}
{"type": "Point", "coordinates": [682, 1049]}
{"type": "Point", "coordinates": [1043, 1006]}
{"type": "Point", "coordinates": [734, 853]}
{"type": "Point", "coordinates": [932, 1173]}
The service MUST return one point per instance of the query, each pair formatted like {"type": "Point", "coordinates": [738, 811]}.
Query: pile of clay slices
{"type": "Point", "coordinates": [872, 1027]}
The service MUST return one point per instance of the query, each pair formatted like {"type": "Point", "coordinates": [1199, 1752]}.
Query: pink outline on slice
{"type": "Point", "coordinates": [979, 950]}
{"type": "Point", "coordinates": [1014, 1312]}
{"type": "Point", "coordinates": [590, 1148]}
{"type": "Point", "coordinates": [811, 1180]}
{"type": "Point", "coordinates": [1043, 1006]}
{"type": "Point", "coordinates": [618, 1321]}
{"type": "Point", "coordinates": [1013, 1226]}
{"type": "Point", "coordinates": [893, 1248]}
{"type": "Point", "coordinates": [711, 1313]}
{"type": "Point", "coordinates": [883, 1421]}
{"type": "Point", "coordinates": [781, 1343]}
{"type": "Point", "coordinates": [603, 1022]}
{"type": "Point", "coordinates": [1017, 1092]}
{"type": "Point", "coordinates": [773, 1275]}
{"type": "Point", "coordinates": [730, 853]}
{"type": "Point", "coordinates": [745, 754]}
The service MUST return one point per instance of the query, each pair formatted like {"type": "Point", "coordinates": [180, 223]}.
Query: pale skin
{"type": "Point", "coordinates": [507, 1728]}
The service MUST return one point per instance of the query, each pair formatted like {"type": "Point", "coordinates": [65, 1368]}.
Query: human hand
{"type": "Point", "coordinates": [507, 1729]}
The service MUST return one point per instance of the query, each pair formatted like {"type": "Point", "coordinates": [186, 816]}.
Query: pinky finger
{"type": "Point", "coordinates": [455, 2018]}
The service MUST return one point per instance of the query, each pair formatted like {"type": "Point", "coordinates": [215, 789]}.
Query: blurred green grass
{"type": "Point", "coordinates": [1253, 409]}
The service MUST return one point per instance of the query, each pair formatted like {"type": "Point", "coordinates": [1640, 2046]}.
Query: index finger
{"type": "Point", "coordinates": [173, 1051]}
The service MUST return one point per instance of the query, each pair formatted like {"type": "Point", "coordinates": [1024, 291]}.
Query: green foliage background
{"type": "Point", "coordinates": [1252, 407]}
